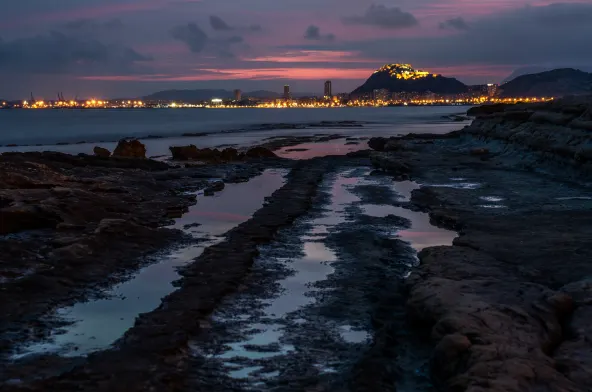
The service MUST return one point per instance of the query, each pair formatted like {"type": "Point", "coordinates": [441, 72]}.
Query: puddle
{"type": "Point", "coordinates": [350, 335]}
{"type": "Point", "coordinates": [422, 233]}
{"type": "Point", "coordinates": [271, 333]}
{"type": "Point", "coordinates": [459, 185]}
{"type": "Point", "coordinates": [321, 149]}
{"type": "Point", "coordinates": [492, 199]}
{"type": "Point", "coordinates": [264, 336]}
{"type": "Point", "coordinates": [97, 324]}
{"type": "Point", "coordinates": [492, 206]}
{"type": "Point", "coordinates": [405, 188]}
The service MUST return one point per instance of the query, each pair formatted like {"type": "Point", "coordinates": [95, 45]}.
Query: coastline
{"type": "Point", "coordinates": [504, 307]}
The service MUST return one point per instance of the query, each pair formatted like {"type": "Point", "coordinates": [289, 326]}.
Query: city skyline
{"type": "Point", "coordinates": [114, 48]}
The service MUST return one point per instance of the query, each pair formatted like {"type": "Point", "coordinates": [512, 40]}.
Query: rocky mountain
{"type": "Point", "coordinates": [555, 83]}
{"type": "Point", "coordinates": [404, 78]}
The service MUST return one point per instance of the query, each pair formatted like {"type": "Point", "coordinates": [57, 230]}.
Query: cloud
{"type": "Point", "coordinates": [313, 33]}
{"type": "Point", "coordinates": [551, 35]}
{"type": "Point", "coordinates": [384, 17]}
{"type": "Point", "coordinates": [58, 52]}
{"type": "Point", "coordinates": [191, 35]}
{"type": "Point", "coordinates": [454, 24]}
{"type": "Point", "coordinates": [219, 24]}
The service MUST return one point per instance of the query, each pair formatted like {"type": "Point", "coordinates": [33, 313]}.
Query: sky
{"type": "Point", "coordinates": [129, 48]}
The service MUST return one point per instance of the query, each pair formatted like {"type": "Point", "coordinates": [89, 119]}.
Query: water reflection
{"type": "Point", "coordinates": [99, 323]}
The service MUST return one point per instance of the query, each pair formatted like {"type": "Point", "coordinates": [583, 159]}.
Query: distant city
{"type": "Point", "coordinates": [390, 85]}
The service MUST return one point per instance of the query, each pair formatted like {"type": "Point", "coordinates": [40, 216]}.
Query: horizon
{"type": "Point", "coordinates": [133, 48]}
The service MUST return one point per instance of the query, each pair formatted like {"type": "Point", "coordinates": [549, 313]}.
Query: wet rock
{"type": "Point", "coordinates": [101, 152]}
{"type": "Point", "coordinates": [260, 152]}
{"type": "Point", "coordinates": [377, 143]}
{"type": "Point", "coordinates": [15, 219]}
{"type": "Point", "coordinates": [394, 145]}
{"type": "Point", "coordinates": [479, 152]}
{"type": "Point", "coordinates": [208, 155]}
{"type": "Point", "coordinates": [74, 251]}
{"type": "Point", "coordinates": [390, 163]}
{"type": "Point", "coordinates": [130, 149]}
{"type": "Point", "coordinates": [230, 154]}
{"type": "Point", "coordinates": [110, 226]}
{"type": "Point", "coordinates": [213, 188]}
{"type": "Point", "coordinates": [447, 357]}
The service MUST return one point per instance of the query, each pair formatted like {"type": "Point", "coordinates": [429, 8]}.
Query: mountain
{"type": "Point", "coordinates": [555, 83]}
{"type": "Point", "coordinates": [403, 78]}
{"type": "Point", "coordinates": [207, 94]}
{"type": "Point", "coordinates": [525, 71]}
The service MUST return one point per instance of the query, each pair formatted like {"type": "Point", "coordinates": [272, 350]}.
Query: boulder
{"type": "Point", "coordinates": [101, 152]}
{"type": "Point", "coordinates": [184, 153]}
{"type": "Point", "coordinates": [377, 143]}
{"type": "Point", "coordinates": [230, 154]}
{"type": "Point", "coordinates": [260, 152]}
{"type": "Point", "coordinates": [130, 149]}
{"type": "Point", "coordinates": [213, 188]}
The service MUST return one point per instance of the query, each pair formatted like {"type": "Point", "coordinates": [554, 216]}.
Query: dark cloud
{"type": "Point", "coordinates": [219, 24]}
{"type": "Point", "coordinates": [58, 52]}
{"type": "Point", "coordinates": [191, 35]}
{"type": "Point", "coordinates": [454, 24]}
{"type": "Point", "coordinates": [557, 15]}
{"type": "Point", "coordinates": [487, 42]}
{"type": "Point", "coordinates": [382, 16]}
{"type": "Point", "coordinates": [313, 33]}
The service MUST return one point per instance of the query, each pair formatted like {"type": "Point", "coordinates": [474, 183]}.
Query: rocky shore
{"type": "Point", "coordinates": [71, 224]}
{"type": "Point", "coordinates": [505, 307]}
{"type": "Point", "coordinates": [508, 306]}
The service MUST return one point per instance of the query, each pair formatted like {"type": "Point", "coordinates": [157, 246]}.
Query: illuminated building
{"type": "Point", "coordinates": [328, 90]}
{"type": "Point", "coordinates": [382, 95]}
{"type": "Point", "coordinates": [492, 90]}
{"type": "Point", "coordinates": [404, 71]}
{"type": "Point", "coordinates": [238, 95]}
{"type": "Point", "coordinates": [287, 92]}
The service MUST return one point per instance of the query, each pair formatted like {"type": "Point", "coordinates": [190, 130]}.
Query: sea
{"type": "Point", "coordinates": [78, 131]}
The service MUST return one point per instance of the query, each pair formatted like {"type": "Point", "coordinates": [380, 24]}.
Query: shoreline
{"type": "Point", "coordinates": [506, 305]}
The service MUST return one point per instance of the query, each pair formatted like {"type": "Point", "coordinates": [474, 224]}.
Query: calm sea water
{"type": "Point", "coordinates": [43, 129]}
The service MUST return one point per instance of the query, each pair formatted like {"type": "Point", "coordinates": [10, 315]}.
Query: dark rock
{"type": "Point", "coordinates": [377, 143]}
{"type": "Point", "coordinates": [213, 188]}
{"type": "Point", "coordinates": [130, 149]}
{"type": "Point", "coordinates": [479, 152]}
{"type": "Point", "coordinates": [101, 152]}
{"type": "Point", "coordinates": [14, 219]}
{"type": "Point", "coordinates": [260, 152]}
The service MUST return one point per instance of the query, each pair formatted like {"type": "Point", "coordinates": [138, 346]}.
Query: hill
{"type": "Point", "coordinates": [555, 83]}
{"type": "Point", "coordinates": [403, 78]}
{"type": "Point", "coordinates": [207, 94]}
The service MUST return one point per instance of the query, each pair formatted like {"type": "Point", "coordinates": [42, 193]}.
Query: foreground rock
{"type": "Point", "coordinates": [506, 307]}
{"type": "Point", "coordinates": [130, 149]}
{"type": "Point", "coordinates": [101, 152]}
{"type": "Point", "coordinates": [209, 155]}
{"type": "Point", "coordinates": [153, 354]}
{"type": "Point", "coordinates": [71, 224]}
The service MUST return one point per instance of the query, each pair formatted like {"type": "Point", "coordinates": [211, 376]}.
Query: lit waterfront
{"type": "Point", "coordinates": [266, 104]}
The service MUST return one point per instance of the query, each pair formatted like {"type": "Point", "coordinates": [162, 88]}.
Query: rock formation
{"type": "Point", "coordinates": [130, 149]}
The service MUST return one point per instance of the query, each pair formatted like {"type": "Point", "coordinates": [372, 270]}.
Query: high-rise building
{"type": "Point", "coordinates": [238, 95]}
{"type": "Point", "coordinates": [328, 90]}
{"type": "Point", "coordinates": [492, 90]}
{"type": "Point", "coordinates": [287, 92]}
